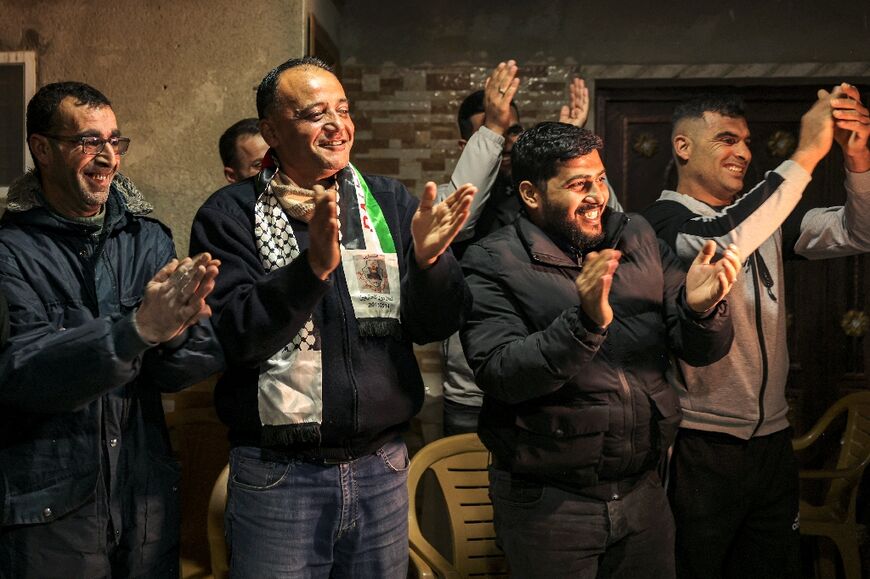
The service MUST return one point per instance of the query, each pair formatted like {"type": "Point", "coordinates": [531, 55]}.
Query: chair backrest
{"type": "Point", "coordinates": [217, 544]}
{"type": "Point", "coordinates": [854, 452]}
{"type": "Point", "coordinates": [459, 464]}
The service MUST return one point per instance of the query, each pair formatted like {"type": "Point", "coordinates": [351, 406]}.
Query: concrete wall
{"type": "Point", "coordinates": [178, 73]}
{"type": "Point", "coordinates": [594, 32]}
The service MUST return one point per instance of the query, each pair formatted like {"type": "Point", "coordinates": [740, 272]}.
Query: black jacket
{"type": "Point", "coordinates": [567, 405]}
{"type": "Point", "coordinates": [79, 389]}
{"type": "Point", "coordinates": [371, 385]}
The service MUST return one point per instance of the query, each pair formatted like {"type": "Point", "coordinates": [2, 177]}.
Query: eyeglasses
{"type": "Point", "coordinates": [94, 145]}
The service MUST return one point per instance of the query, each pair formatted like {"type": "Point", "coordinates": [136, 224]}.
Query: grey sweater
{"type": "Point", "coordinates": [744, 393]}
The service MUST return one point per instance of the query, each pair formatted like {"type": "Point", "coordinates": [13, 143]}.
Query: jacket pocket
{"type": "Point", "coordinates": [159, 509]}
{"type": "Point", "coordinates": [667, 405]}
{"type": "Point", "coordinates": [558, 438]}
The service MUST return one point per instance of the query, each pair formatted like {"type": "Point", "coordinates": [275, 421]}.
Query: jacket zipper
{"type": "Point", "coordinates": [760, 329]}
{"type": "Point", "coordinates": [629, 418]}
{"type": "Point", "coordinates": [346, 344]}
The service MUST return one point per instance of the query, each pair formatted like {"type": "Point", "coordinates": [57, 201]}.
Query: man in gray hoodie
{"type": "Point", "coordinates": [734, 483]}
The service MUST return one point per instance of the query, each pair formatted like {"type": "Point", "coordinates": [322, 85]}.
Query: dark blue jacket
{"type": "Point", "coordinates": [564, 403]}
{"type": "Point", "coordinates": [79, 389]}
{"type": "Point", "coordinates": [371, 385]}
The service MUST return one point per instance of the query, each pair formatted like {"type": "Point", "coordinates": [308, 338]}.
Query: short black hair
{"type": "Point", "coordinates": [227, 142]}
{"type": "Point", "coordinates": [725, 104]}
{"type": "Point", "coordinates": [539, 150]}
{"type": "Point", "coordinates": [471, 105]}
{"type": "Point", "coordinates": [42, 108]}
{"type": "Point", "coordinates": [267, 92]}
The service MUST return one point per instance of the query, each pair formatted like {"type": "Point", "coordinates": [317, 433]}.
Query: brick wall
{"type": "Point", "coordinates": [406, 117]}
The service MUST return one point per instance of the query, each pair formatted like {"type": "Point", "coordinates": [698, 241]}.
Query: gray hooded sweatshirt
{"type": "Point", "coordinates": [743, 394]}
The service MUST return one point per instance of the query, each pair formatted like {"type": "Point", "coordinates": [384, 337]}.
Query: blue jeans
{"type": "Point", "coordinates": [548, 532]}
{"type": "Point", "coordinates": [460, 418]}
{"type": "Point", "coordinates": [289, 518]}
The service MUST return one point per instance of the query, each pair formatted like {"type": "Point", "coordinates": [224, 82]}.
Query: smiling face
{"type": "Point", "coordinates": [713, 154]}
{"type": "Point", "coordinates": [309, 127]}
{"type": "Point", "coordinates": [573, 204]}
{"type": "Point", "coordinates": [74, 183]}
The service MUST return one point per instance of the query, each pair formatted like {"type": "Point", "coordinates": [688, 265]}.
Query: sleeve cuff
{"type": "Point", "coordinates": [488, 135]}
{"type": "Point", "coordinates": [858, 182]}
{"type": "Point", "coordinates": [128, 343]}
{"type": "Point", "coordinates": [791, 171]}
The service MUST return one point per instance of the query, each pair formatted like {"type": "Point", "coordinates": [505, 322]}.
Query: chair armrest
{"type": "Point", "coordinates": [418, 567]}
{"type": "Point", "coordinates": [819, 427]}
{"type": "Point", "coordinates": [431, 557]}
{"type": "Point", "coordinates": [844, 473]}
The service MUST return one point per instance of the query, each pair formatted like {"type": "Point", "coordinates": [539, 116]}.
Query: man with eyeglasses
{"type": "Point", "coordinates": [328, 276]}
{"type": "Point", "coordinates": [489, 125]}
{"type": "Point", "coordinates": [103, 319]}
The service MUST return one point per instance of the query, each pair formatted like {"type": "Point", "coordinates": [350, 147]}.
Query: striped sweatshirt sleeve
{"type": "Point", "coordinates": [686, 223]}
{"type": "Point", "coordinates": [838, 231]}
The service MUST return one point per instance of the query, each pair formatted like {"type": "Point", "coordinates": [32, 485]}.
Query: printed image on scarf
{"type": "Point", "coordinates": [371, 270]}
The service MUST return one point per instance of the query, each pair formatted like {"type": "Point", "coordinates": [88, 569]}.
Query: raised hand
{"type": "Point", "coordinates": [707, 283]}
{"type": "Point", "coordinates": [851, 127]}
{"type": "Point", "coordinates": [498, 92]}
{"type": "Point", "coordinates": [576, 111]}
{"type": "Point", "coordinates": [174, 299]}
{"type": "Point", "coordinates": [434, 226]}
{"type": "Point", "coordinates": [323, 251]}
{"type": "Point", "coordinates": [593, 284]}
{"type": "Point", "coordinates": [817, 133]}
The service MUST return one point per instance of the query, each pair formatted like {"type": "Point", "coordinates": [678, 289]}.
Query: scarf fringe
{"type": "Point", "coordinates": [379, 327]}
{"type": "Point", "coordinates": [307, 433]}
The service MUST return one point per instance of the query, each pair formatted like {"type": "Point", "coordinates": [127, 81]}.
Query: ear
{"type": "Point", "coordinates": [461, 143]}
{"type": "Point", "coordinates": [268, 132]}
{"type": "Point", "coordinates": [230, 174]}
{"type": "Point", "coordinates": [530, 196]}
{"type": "Point", "coordinates": [41, 149]}
{"type": "Point", "coordinates": [682, 146]}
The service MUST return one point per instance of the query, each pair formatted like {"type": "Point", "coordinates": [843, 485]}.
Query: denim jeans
{"type": "Point", "coordinates": [460, 418]}
{"type": "Point", "coordinates": [548, 532]}
{"type": "Point", "coordinates": [290, 518]}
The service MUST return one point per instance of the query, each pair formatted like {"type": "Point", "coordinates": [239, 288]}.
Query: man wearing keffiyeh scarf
{"type": "Point", "coordinates": [328, 276]}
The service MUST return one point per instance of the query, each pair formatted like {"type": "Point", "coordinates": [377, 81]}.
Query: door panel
{"type": "Point", "coordinates": [633, 118]}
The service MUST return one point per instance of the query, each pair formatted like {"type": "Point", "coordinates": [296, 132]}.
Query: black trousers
{"type": "Point", "coordinates": [735, 505]}
{"type": "Point", "coordinates": [549, 533]}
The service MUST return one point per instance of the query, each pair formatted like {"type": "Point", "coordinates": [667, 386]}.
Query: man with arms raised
{"type": "Point", "coordinates": [576, 309]}
{"type": "Point", "coordinates": [734, 481]}
{"type": "Point", "coordinates": [322, 376]}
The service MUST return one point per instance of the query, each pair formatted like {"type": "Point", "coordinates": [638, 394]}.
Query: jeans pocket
{"type": "Point", "coordinates": [255, 469]}
{"type": "Point", "coordinates": [395, 456]}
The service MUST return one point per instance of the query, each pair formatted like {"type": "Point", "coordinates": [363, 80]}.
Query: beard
{"type": "Point", "coordinates": [556, 223]}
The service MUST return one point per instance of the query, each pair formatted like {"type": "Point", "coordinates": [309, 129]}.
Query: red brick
{"type": "Point", "coordinates": [448, 81]}
{"type": "Point", "coordinates": [393, 130]}
{"type": "Point", "coordinates": [432, 164]}
{"type": "Point", "coordinates": [388, 167]}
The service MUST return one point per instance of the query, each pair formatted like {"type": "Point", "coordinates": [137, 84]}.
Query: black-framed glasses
{"type": "Point", "coordinates": [94, 145]}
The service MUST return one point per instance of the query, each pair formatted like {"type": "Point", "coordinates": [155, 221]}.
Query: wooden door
{"type": "Point", "coordinates": [633, 118]}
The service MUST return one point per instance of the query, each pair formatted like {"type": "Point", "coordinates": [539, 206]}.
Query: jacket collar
{"type": "Point", "coordinates": [25, 196]}
{"type": "Point", "coordinates": [696, 206]}
{"type": "Point", "coordinates": [543, 249]}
